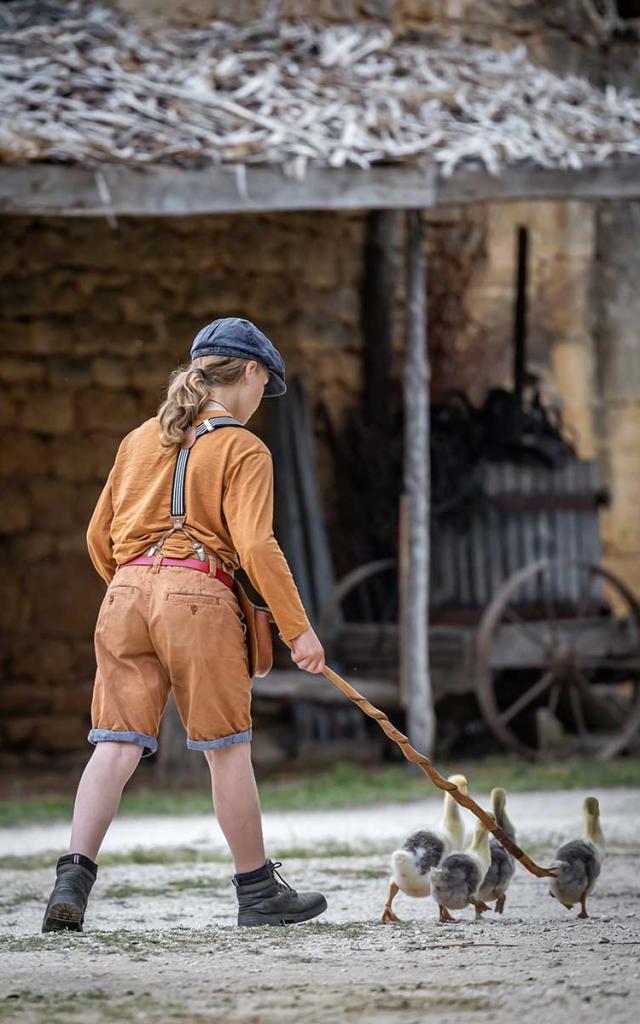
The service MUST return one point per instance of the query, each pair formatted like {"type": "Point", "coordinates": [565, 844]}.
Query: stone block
{"type": "Point", "coordinates": [33, 545]}
{"type": "Point", "coordinates": [321, 266]}
{"type": "Point", "coordinates": [48, 412]}
{"type": "Point", "coordinates": [110, 372]}
{"type": "Point", "coordinates": [16, 514]}
{"type": "Point", "coordinates": [47, 732]}
{"type": "Point", "coordinates": [51, 662]}
{"type": "Point", "coordinates": [66, 595]}
{"type": "Point", "coordinates": [8, 408]}
{"type": "Point", "coordinates": [15, 608]}
{"type": "Point", "coordinates": [52, 504]}
{"type": "Point", "coordinates": [105, 305]}
{"type": "Point", "coordinates": [69, 373]}
{"type": "Point", "coordinates": [81, 458]}
{"type": "Point", "coordinates": [70, 697]}
{"type": "Point", "coordinates": [107, 411]}
{"type": "Point", "coordinates": [21, 371]}
{"type": "Point", "coordinates": [87, 496]}
{"type": "Point", "coordinates": [16, 697]}
{"type": "Point", "coordinates": [23, 455]}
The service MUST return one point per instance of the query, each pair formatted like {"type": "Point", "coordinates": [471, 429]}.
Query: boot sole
{"type": "Point", "coordinates": [253, 919]}
{"type": "Point", "coordinates": [63, 917]}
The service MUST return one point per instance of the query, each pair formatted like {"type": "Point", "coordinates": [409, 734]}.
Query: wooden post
{"type": "Point", "coordinates": [415, 602]}
{"type": "Point", "coordinates": [378, 302]}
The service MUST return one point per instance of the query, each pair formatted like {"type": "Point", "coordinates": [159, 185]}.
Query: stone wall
{"type": "Point", "coordinates": [93, 320]}
{"type": "Point", "coordinates": [617, 334]}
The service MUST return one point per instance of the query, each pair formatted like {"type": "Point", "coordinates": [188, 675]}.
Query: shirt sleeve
{"type": "Point", "coordinates": [247, 505]}
{"type": "Point", "coordinates": [99, 540]}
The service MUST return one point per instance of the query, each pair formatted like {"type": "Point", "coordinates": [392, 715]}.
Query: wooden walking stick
{"type": "Point", "coordinates": [415, 757]}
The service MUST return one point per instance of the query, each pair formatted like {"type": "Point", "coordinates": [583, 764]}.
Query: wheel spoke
{"type": "Point", "coordinates": [525, 699]}
{"type": "Point", "coordinates": [577, 711]}
{"type": "Point", "coordinates": [607, 707]}
{"type": "Point", "coordinates": [522, 627]}
{"type": "Point", "coordinates": [554, 697]}
{"type": "Point", "coordinates": [550, 609]}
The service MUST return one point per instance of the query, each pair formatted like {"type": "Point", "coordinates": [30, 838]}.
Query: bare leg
{"type": "Point", "coordinates": [500, 902]}
{"type": "Point", "coordinates": [99, 791]}
{"type": "Point", "coordinates": [388, 916]}
{"type": "Point", "coordinates": [445, 916]}
{"type": "Point", "coordinates": [583, 904]}
{"type": "Point", "coordinates": [237, 805]}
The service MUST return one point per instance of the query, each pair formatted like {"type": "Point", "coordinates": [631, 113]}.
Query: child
{"type": "Point", "coordinates": [170, 619]}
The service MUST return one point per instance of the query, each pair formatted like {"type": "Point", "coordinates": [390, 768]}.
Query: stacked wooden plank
{"type": "Point", "coordinates": [299, 510]}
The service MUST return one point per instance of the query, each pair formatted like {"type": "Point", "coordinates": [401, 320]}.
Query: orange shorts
{"type": "Point", "coordinates": [171, 629]}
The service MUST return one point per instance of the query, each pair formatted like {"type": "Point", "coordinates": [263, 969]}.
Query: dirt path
{"type": "Point", "coordinates": [151, 951]}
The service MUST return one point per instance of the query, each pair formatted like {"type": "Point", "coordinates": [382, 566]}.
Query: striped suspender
{"type": "Point", "coordinates": [178, 507]}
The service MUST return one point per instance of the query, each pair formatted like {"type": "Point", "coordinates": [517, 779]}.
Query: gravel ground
{"type": "Point", "coordinates": [160, 943]}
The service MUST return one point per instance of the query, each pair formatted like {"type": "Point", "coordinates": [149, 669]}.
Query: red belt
{"type": "Point", "coordinates": [184, 563]}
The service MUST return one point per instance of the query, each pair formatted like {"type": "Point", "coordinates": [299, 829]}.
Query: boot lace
{"type": "Point", "coordinates": [281, 884]}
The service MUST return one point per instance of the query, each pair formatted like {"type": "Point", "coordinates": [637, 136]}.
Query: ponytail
{"type": "Point", "coordinates": [189, 391]}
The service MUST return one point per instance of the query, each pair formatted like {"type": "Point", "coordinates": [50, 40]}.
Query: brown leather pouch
{"type": "Point", "coordinates": [259, 636]}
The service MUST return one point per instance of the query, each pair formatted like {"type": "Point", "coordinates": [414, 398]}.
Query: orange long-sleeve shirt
{"type": "Point", "coordinates": [229, 503]}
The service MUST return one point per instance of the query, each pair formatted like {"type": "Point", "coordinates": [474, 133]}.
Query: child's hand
{"type": "Point", "coordinates": [307, 652]}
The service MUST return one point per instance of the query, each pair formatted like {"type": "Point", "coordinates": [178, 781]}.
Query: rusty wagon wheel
{"type": "Point", "coordinates": [560, 676]}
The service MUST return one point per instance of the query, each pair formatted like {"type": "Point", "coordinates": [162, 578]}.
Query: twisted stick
{"type": "Point", "coordinates": [415, 757]}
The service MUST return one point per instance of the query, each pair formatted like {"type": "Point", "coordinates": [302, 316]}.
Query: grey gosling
{"type": "Point", "coordinates": [579, 862]}
{"type": "Point", "coordinates": [501, 870]}
{"type": "Point", "coordinates": [423, 850]}
{"type": "Point", "coordinates": [456, 882]}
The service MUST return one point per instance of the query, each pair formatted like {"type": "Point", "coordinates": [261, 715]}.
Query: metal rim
{"type": "Point", "coordinates": [565, 675]}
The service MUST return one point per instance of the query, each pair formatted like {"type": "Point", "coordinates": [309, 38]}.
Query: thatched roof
{"type": "Point", "coordinates": [83, 84]}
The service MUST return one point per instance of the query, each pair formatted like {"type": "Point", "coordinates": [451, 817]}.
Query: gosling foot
{"type": "Point", "coordinates": [445, 916]}
{"type": "Point", "coordinates": [388, 916]}
{"type": "Point", "coordinates": [481, 907]}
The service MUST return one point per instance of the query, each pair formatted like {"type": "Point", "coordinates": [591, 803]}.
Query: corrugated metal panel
{"type": "Point", "coordinates": [528, 514]}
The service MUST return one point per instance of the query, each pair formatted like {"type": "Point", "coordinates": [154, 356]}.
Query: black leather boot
{"type": "Point", "coordinates": [271, 900]}
{"type": "Point", "coordinates": [75, 875]}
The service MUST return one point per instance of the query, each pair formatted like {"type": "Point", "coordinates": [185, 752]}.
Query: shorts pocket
{"type": "Point", "coordinates": [118, 599]}
{"type": "Point", "coordinates": [183, 597]}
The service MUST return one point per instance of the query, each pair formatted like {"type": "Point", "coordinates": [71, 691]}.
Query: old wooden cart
{"type": "Point", "coordinates": [522, 613]}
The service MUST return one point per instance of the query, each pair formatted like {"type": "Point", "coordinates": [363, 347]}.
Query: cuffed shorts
{"type": "Point", "coordinates": [171, 629]}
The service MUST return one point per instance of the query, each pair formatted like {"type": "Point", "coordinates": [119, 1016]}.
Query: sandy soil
{"type": "Point", "coordinates": [160, 942]}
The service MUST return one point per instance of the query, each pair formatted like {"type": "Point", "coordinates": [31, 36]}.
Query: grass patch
{"type": "Point", "coordinates": [96, 1005]}
{"type": "Point", "coordinates": [347, 785]}
{"type": "Point", "coordinates": [189, 855]}
{"type": "Point", "coordinates": [170, 888]}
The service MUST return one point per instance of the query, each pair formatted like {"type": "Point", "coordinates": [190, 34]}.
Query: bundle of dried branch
{"type": "Point", "coordinates": [82, 83]}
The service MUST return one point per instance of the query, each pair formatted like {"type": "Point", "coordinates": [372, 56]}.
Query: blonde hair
{"type": "Point", "coordinates": [189, 391]}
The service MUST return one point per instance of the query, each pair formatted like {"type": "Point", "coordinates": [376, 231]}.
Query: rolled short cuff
{"type": "Point", "coordinates": [112, 736]}
{"type": "Point", "coordinates": [225, 741]}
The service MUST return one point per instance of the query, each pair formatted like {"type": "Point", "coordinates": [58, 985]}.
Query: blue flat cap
{"type": "Point", "coordinates": [232, 336]}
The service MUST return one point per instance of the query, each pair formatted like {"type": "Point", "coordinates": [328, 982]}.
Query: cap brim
{"type": "Point", "coordinates": [275, 386]}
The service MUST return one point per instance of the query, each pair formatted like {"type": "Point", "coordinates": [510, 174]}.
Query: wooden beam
{"type": "Point", "coordinates": [606, 181]}
{"type": "Point", "coordinates": [415, 602]}
{"type": "Point", "coordinates": [114, 190]}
